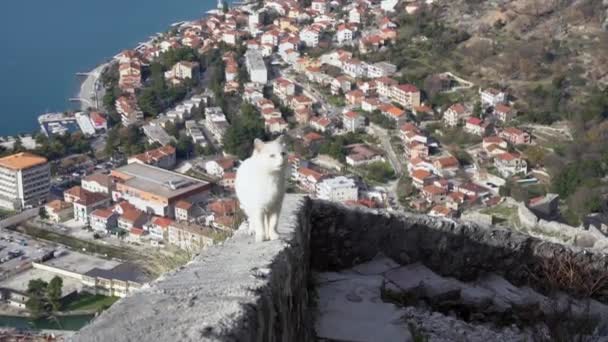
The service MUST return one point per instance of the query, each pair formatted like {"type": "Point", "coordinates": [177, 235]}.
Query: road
{"type": "Point", "coordinates": [91, 89]}
{"type": "Point", "coordinates": [385, 140]}
{"type": "Point", "coordinates": [18, 218]}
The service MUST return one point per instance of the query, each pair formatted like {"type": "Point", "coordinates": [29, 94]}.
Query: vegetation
{"type": "Point", "coordinates": [44, 298]}
{"type": "Point", "coordinates": [381, 120]}
{"type": "Point", "coordinates": [239, 137]}
{"type": "Point", "coordinates": [335, 146]}
{"type": "Point", "coordinates": [89, 302]}
{"type": "Point", "coordinates": [378, 172]}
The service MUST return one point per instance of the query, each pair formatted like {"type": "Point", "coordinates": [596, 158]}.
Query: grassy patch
{"type": "Point", "coordinates": [87, 301]}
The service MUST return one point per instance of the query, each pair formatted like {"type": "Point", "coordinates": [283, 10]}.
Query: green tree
{"type": "Point", "coordinates": [53, 293]}
{"type": "Point", "coordinates": [239, 137]}
{"type": "Point", "coordinates": [477, 110]}
{"type": "Point", "coordinates": [37, 302]}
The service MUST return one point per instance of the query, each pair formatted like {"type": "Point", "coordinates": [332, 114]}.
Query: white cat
{"type": "Point", "coordinates": [260, 187]}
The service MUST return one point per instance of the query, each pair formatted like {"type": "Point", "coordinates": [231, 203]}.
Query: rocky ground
{"type": "Point", "coordinates": [383, 301]}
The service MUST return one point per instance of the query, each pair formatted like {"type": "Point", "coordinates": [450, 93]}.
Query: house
{"type": "Point", "coordinates": [103, 220]}
{"type": "Point", "coordinates": [129, 110]}
{"type": "Point", "coordinates": [276, 125]}
{"type": "Point", "coordinates": [129, 216]}
{"type": "Point", "coordinates": [270, 37]}
{"type": "Point", "coordinates": [509, 164]}
{"type": "Point", "coordinates": [283, 88]}
{"type": "Point", "coordinates": [163, 157]}
{"type": "Point", "coordinates": [310, 36]}
{"type": "Point", "coordinates": [441, 211]}
{"type": "Point", "coordinates": [416, 149]}
{"type": "Point", "coordinates": [188, 236]}
{"type": "Point", "coordinates": [361, 154]}
{"type": "Point", "coordinates": [355, 14]}
{"type": "Point", "coordinates": [85, 202]}
{"type": "Point", "coordinates": [368, 87]}
{"type": "Point", "coordinates": [301, 101]}
{"type": "Point", "coordinates": [354, 68]}
{"type": "Point", "coordinates": [341, 84]}
{"type": "Point", "coordinates": [183, 210]}
{"type": "Point", "coordinates": [422, 178]}
{"type": "Point", "coordinates": [321, 123]}
{"type": "Point", "coordinates": [370, 104]}
{"type": "Point", "coordinates": [381, 69]}
{"type": "Point", "coordinates": [407, 95]}
{"type": "Point", "coordinates": [228, 180]}
{"type": "Point", "coordinates": [455, 115]}
{"type": "Point", "coordinates": [344, 35]}
{"type": "Point", "coordinates": [446, 165]}
{"type": "Point", "coordinates": [229, 37]}
{"type": "Point", "coordinates": [472, 191]}
{"type": "Point", "coordinates": [319, 6]}
{"type": "Point", "coordinates": [476, 126]}
{"type": "Point", "coordinates": [58, 211]}
{"type": "Point", "coordinates": [158, 228]}
{"type": "Point", "coordinates": [308, 179]}
{"type": "Point", "coordinates": [312, 139]}
{"type": "Point", "coordinates": [97, 182]}
{"type": "Point", "coordinates": [515, 136]}
{"type": "Point", "coordinates": [355, 97]}
{"type": "Point", "coordinates": [490, 97]}
{"type": "Point", "coordinates": [392, 112]}
{"type": "Point", "coordinates": [99, 121]}
{"type": "Point", "coordinates": [302, 115]}
{"type": "Point", "coordinates": [338, 189]}
{"type": "Point", "coordinates": [384, 86]}
{"type": "Point", "coordinates": [503, 112]}
{"type": "Point", "coordinates": [490, 144]}
{"type": "Point", "coordinates": [353, 121]}
{"type": "Point", "coordinates": [183, 70]}
{"type": "Point", "coordinates": [388, 5]}
{"type": "Point", "coordinates": [433, 193]}
{"type": "Point", "coordinates": [218, 167]}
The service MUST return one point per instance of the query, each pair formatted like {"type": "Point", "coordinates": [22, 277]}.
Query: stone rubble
{"type": "Point", "coordinates": [356, 305]}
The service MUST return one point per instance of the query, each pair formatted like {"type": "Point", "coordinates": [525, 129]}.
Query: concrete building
{"type": "Point", "coordinates": [85, 202]}
{"type": "Point", "coordinates": [163, 157]}
{"type": "Point", "coordinates": [339, 189]}
{"type": "Point", "coordinates": [189, 236]}
{"type": "Point", "coordinates": [156, 191]}
{"type": "Point", "coordinates": [256, 67]}
{"type": "Point", "coordinates": [118, 281]}
{"type": "Point", "coordinates": [25, 180]}
{"type": "Point", "coordinates": [97, 182]}
{"type": "Point", "coordinates": [58, 210]}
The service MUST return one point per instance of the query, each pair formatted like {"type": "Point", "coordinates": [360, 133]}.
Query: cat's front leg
{"type": "Point", "coordinates": [257, 222]}
{"type": "Point", "coordinates": [273, 220]}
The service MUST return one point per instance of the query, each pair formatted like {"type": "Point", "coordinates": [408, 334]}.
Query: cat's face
{"type": "Point", "coordinates": [273, 154]}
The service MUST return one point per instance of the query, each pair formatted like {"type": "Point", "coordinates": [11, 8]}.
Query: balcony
{"type": "Point", "coordinates": [361, 275]}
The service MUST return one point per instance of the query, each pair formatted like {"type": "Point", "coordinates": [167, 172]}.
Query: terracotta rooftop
{"type": "Point", "coordinates": [21, 161]}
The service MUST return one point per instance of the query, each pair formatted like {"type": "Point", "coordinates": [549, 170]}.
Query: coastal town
{"type": "Point", "coordinates": [142, 178]}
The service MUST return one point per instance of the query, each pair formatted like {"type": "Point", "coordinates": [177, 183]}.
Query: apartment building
{"type": "Point", "coordinates": [25, 180]}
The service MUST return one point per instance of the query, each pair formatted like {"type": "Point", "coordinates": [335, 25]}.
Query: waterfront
{"type": "Point", "coordinates": [47, 43]}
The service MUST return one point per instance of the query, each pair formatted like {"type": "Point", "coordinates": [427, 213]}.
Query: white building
{"type": "Point", "coordinates": [344, 35]}
{"type": "Point", "coordinates": [216, 123]}
{"type": "Point", "coordinates": [490, 97]}
{"type": "Point", "coordinates": [256, 67]}
{"type": "Point", "coordinates": [338, 189]}
{"type": "Point", "coordinates": [388, 5]}
{"type": "Point", "coordinates": [25, 179]}
{"type": "Point", "coordinates": [310, 36]}
{"type": "Point", "coordinates": [381, 69]}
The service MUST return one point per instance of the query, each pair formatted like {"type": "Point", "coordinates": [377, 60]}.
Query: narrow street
{"type": "Point", "coordinates": [385, 141]}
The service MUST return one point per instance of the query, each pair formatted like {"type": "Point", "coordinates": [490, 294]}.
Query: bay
{"type": "Point", "coordinates": [43, 44]}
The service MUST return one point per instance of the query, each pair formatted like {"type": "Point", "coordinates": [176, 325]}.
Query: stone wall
{"type": "Point", "coordinates": [243, 291]}
{"type": "Point", "coordinates": [342, 238]}
{"type": "Point", "coordinates": [239, 291]}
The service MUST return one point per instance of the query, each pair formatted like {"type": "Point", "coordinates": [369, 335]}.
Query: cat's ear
{"type": "Point", "coordinates": [258, 145]}
{"type": "Point", "coordinates": [280, 139]}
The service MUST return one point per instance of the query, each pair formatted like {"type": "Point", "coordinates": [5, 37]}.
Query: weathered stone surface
{"type": "Point", "coordinates": [240, 291]}
{"type": "Point", "coordinates": [451, 248]}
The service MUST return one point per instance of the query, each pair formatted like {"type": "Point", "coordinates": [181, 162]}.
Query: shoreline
{"type": "Point", "coordinates": [89, 88]}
